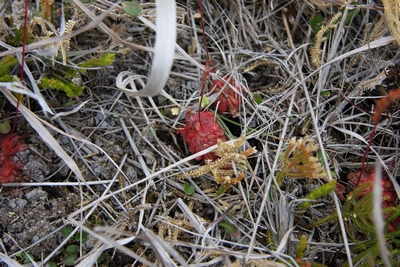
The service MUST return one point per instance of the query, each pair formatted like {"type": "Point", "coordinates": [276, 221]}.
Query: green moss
{"type": "Point", "coordinates": [5, 66]}
{"type": "Point", "coordinates": [17, 40]}
{"type": "Point", "coordinates": [103, 61]}
{"type": "Point", "coordinates": [69, 88]}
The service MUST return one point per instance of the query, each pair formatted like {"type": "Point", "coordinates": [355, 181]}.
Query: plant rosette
{"type": "Point", "coordinates": [10, 168]}
{"type": "Point", "coordinates": [201, 132]}
{"type": "Point", "coordinates": [361, 178]}
{"type": "Point", "coordinates": [229, 100]}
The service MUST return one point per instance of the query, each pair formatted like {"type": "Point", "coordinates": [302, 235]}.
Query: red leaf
{"type": "Point", "coordinates": [201, 132]}
{"type": "Point", "coordinates": [10, 145]}
{"type": "Point", "coordinates": [229, 100]}
{"type": "Point", "coordinates": [388, 193]}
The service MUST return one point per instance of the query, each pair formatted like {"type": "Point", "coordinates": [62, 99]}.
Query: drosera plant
{"type": "Point", "coordinates": [383, 103]}
{"type": "Point", "coordinates": [230, 95]}
{"type": "Point", "coordinates": [201, 132]}
{"type": "Point", "coordinates": [360, 227]}
{"type": "Point", "coordinates": [389, 197]}
{"type": "Point", "coordinates": [10, 144]}
{"type": "Point", "coordinates": [11, 169]}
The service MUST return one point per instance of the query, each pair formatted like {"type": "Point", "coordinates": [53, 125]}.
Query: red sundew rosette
{"type": "Point", "coordinates": [201, 132]}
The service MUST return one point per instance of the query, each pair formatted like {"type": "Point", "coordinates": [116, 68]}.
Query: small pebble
{"type": "Point", "coordinates": [12, 204]}
{"type": "Point", "coordinates": [21, 203]}
{"type": "Point", "coordinates": [36, 194]}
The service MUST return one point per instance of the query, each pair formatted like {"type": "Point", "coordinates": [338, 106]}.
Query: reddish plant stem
{"type": "Point", "coordinates": [371, 138]}
{"type": "Point", "coordinates": [208, 60]}
{"type": "Point", "coordinates": [21, 77]}
{"type": "Point", "coordinates": [380, 106]}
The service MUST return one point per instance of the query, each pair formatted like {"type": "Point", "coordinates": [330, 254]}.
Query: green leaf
{"type": "Point", "coordinates": [321, 158]}
{"type": "Point", "coordinates": [84, 237]}
{"type": "Point", "coordinates": [316, 23]}
{"type": "Point", "coordinates": [188, 189]}
{"type": "Point", "coordinates": [222, 190]}
{"type": "Point", "coordinates": [22, 256]}
{"type": "Point", "coordinates": [17, 40]}
{"type": "Point", "coordinates": [5, 65]}
{"type": "Point", "coordinates": [5, 127]}
{"type": "Point", "coordinates": [132, 8]}
{"type": "Point", "coordinates": [71, 73]}
{"type": "Point", "coordinates": [257, 98]}
{"type": "Point", "coordinates": [101, 258]}
{"type": "Point", "coordinates": [52, 264]}
{"type": "Point", "coordinates": [231, 229]}
{"type": "Point", "coordinates": [70, 103]}
{"type": "Point", "coordinates": [351, 13]}
{"type": "Point", "coordinates": [27, 259]}
{"type": "Point", "coordinates": [204, 102]}
{"type": "Point", "coordinates": [325, 93]}
{"type": "Point", "coordinates": [71, 249]}
{"type": "Point", "coordinates": [69, 260]}
{"type": "Point", "coordinates": [66, 231]}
